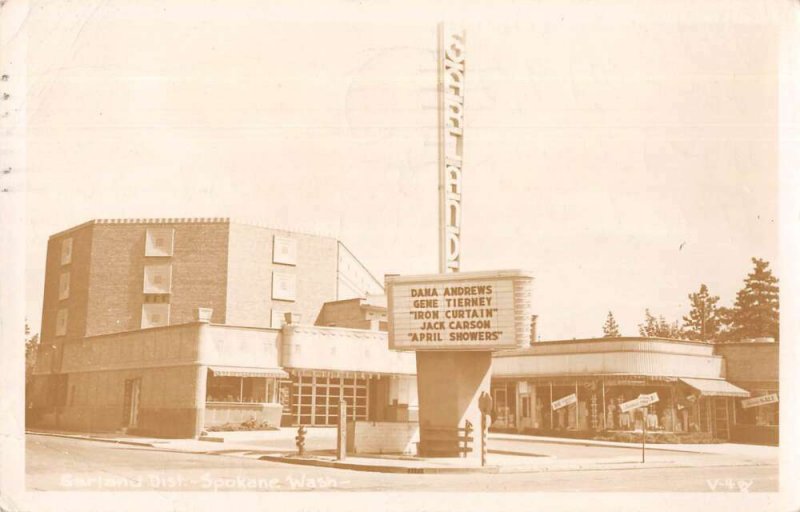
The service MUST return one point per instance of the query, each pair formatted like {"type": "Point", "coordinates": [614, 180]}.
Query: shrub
{"type": "Point", "coordinates": [248, 424]}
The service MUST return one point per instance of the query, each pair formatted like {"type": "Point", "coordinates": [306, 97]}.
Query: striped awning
{"type": "Point", "coordinates": [244, 371]}
{"type": "Point", "coordinates": [306, 372]}
{"type": "Point", "coordinates": [715, 387]}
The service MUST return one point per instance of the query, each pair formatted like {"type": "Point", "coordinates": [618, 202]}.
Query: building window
{"type": "Point", "coordinates": [159, 242]}
{"type": "Point", "coordinates": [284, 250]}
{"type": "Point", "coordinates": [155, 315]}
{"type": "Point", "coordinates": [760, 415]}
{"type": "Point", "coordinates": [63, 286]}
{"type": "Point", "coordinates": [66, 251]}
{"type": "Point", "coordinates": [283, 286]}
{"type": "Point", "coordinates": [315, 399]}
{"type": "Point", "coordinates": [240, 389]}
{"type": "Point", "coordinates": [61, 322]}
{"type": "Point", "coordinates": [158, 278]}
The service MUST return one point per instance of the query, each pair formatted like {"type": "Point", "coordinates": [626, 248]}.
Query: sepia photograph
{"type": "Point", "coordinates": [345, 255]}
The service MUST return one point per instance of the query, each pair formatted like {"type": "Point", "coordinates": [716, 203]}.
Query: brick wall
{"type": "Point", "coordinates": [199, 274]}
{"type": "Point", "coordinates": [199, 271]}
{"type": "Point", "coordinates": [251, 267]}
{"type": "Point", "coordinates": [77, 301]}
{"type": "Point", "coordinates": [345, 313]}
{"type": "Point", "coordinates": [750, 362]}
{"type": "Point", "coordinates": [168, 402]}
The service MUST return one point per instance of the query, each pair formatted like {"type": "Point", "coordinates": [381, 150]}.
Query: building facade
{"type": "Point", "coordinates": [578, 386]}
{"type": "Point", "coordinates": [171, 326]}
{"type": "Point", "coordinates": [754, 366]}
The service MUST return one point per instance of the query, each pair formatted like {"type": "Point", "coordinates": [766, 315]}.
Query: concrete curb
{"type": "Point", "coordinates": [89, 438]}
{"type": "Point", "coordinates": [685, 448]}
{"type": "Point", "coordinates": [211, 439]}
{"type": "Point", "coordinates": [599, 466]}
{"type": "Point", "coordinates": [377, 468]}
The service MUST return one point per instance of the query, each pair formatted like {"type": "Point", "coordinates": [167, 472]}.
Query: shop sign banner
{"type": "Point", "coordinates": [760, 400]}
{"type": "Point", "coordinates": [563, 402]}
{"type": "Point", "coordinates": [459, 311]}
{"type": "Point", "coordinates": [648, 399]}
{"type": "Point", "coordinates": [640, 401]}
{"type": "Point", "coordinates": [631, 404]}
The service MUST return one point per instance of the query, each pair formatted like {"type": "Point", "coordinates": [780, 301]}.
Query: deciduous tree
{"type": "Point", "coordinates": [658, 327]}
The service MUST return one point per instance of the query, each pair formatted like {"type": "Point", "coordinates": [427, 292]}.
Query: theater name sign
{"type": "Point", "coordinates": [460, 311]}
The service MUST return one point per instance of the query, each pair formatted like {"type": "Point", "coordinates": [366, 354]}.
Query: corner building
{"type": "Point", "coordinates": [170, 326]}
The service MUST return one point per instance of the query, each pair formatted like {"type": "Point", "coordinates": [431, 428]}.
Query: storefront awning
{"type": "Point", "coordinates": [715, 387]}
{"type": "Point", "coordinates": [243, 371]}
{"type": "Point", "coordinates": [305, 372]}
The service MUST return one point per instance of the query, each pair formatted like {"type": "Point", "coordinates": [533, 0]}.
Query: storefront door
{"type": "Point", "coordinates": [131, 402]}
{"type": "Point", "coordinates": [500, 407]}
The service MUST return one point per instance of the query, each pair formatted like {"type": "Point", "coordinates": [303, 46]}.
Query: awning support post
{"type": "Point", "coordinates": [577, 406]}
{"type": "Point", "coordinates": [603, 385]}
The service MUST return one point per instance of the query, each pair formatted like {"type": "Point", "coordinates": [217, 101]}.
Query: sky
{"type": "Point", "coordinates": [624, 153]}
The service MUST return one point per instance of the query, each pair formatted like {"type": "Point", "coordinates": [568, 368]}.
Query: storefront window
{"type": "Point", "coordinates": [760, 415]}
{"type": "Point", "coordinates": [240, 389]}
{"type": "Point", "coordinates": [668, 414]}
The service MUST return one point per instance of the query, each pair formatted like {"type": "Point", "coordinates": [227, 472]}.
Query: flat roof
{"type": "Point", "coordinates": [458, 276]}
{"type": "Point", "coordinates": [590, 341]}
{"type": "Point", "coordinates": [188, 220]}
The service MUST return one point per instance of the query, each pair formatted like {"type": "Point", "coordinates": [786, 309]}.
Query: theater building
{"type": "Point", "coordinates": [172, 326]}
{"type": "Point", "coordinates": [169, 327]}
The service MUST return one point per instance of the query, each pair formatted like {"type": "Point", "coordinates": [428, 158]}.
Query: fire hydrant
{"type": "Point", "coordinates": [300, 440]}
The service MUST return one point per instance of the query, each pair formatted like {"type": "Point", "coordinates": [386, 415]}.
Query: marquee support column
{"type": "Point", "coordinates": [449, 384]}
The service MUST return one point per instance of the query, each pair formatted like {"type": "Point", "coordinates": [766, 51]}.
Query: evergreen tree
{"type": "Point", "coordinates": [611, 328]}
{"type": "Point", "coordinates": [703, 322]}
{"type": "Point", "coordinates": [756, 312]}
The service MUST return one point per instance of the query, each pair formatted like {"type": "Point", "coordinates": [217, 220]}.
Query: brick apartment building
{"type": "Point", "coordinates": [108, 276]}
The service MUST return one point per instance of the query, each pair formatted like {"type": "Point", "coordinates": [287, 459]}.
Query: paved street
{"type": "Point", "coordinates": [55, 463]}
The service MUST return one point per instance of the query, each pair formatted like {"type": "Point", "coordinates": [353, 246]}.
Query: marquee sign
{"type": "Point", "coordinates": [451, 145]}
{"type": "Point", "coordinates": [464, 311]}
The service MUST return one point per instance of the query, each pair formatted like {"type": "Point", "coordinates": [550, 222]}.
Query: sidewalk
{"type": "Point", "coordinates": [502, 464]}
{"type": "Point", "coordinates": [734, 449]}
